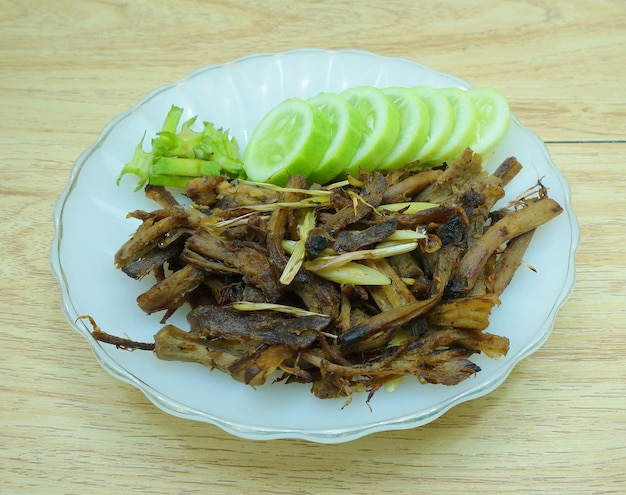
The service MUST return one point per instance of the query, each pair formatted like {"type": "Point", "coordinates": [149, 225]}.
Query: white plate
{"type": "Point", "coordinates": [90, 226]}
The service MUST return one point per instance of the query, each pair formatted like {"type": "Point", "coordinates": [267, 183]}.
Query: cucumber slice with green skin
{"type": "Point", "coordinates": [381, 127]}
{"type": "Point", "coordinates": [291, 139]}
{"type": "Point", "coordinates": [332, 135]}
{"type": "Point", "coordinates": [494, 118]}
{"type": "Point", "coordinates": [465, 124]}
{"type": "Point", "coordinates": [346, 130]}
{"type": "Point", "coordinates": [441, 122]}
{"type": "Point", "coordinates": [414, 127]}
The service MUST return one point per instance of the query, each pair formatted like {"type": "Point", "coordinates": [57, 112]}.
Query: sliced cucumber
{"type": "Point", "coordinates": [493, 116]}
{"type": "Point", "coordinates": [292, 138]}
{"type": "Point", "coordinates": [414, 126]}
{"type": "Point", "coordinates": [441, 122]}
{"type": "Point", "coordinates": [381, 126]}
{"type": "Point", "coordinates": [465, 124]}
{"type": "Point", "coordinates": [332, 135]}
{"type": "Point", "coordinates": [346, 130]}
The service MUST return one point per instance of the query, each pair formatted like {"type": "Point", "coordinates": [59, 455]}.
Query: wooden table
{"type": "Point", "coordinates": [557, 425]}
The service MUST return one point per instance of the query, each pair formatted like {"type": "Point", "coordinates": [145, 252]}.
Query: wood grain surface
{"type": "Point", "coordinates": [558, 423]}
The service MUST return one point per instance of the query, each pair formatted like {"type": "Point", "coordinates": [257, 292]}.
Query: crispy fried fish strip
{"type": "Point", "coordinates": [531, 216]}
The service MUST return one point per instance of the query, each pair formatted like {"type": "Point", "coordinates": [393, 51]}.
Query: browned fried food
{"type": "Point", "coordinates": [372, 294]}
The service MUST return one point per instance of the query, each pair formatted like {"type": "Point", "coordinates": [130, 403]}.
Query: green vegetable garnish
{"type": "Point", "coordinates": [177, 156]}
{"type": "Point", "coordinates": [140, 165]}
{"type": "Point", "coordinates": [330, 136]}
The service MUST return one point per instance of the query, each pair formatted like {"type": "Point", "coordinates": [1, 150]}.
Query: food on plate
{"type": "Point", "coordinates": [464, 125]}
{"type": "Point", "coordinates": [277, 281]}
{"type": "Point", "coordinates": [177, 155]}
{"type": "Point", "coordinates": [397, 126]}
{"type": "Point", "coordinates": [441, 121]}
{"type": "Point", "coordinates": [330, 136]}
{"type": "Point", "coordinates": [291, 139]}
{"type": "Point", "coordinates": [493, 118]}
{"type": "Point", "coordinates": [381, 128]}
{"type": "Point", "coordinates": [345, 135]}
{"type": "Point", "coordinates": [414, 124]}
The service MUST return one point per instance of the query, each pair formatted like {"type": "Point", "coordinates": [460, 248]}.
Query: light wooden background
{"type": "Point", "coordinates": [557, 425]}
